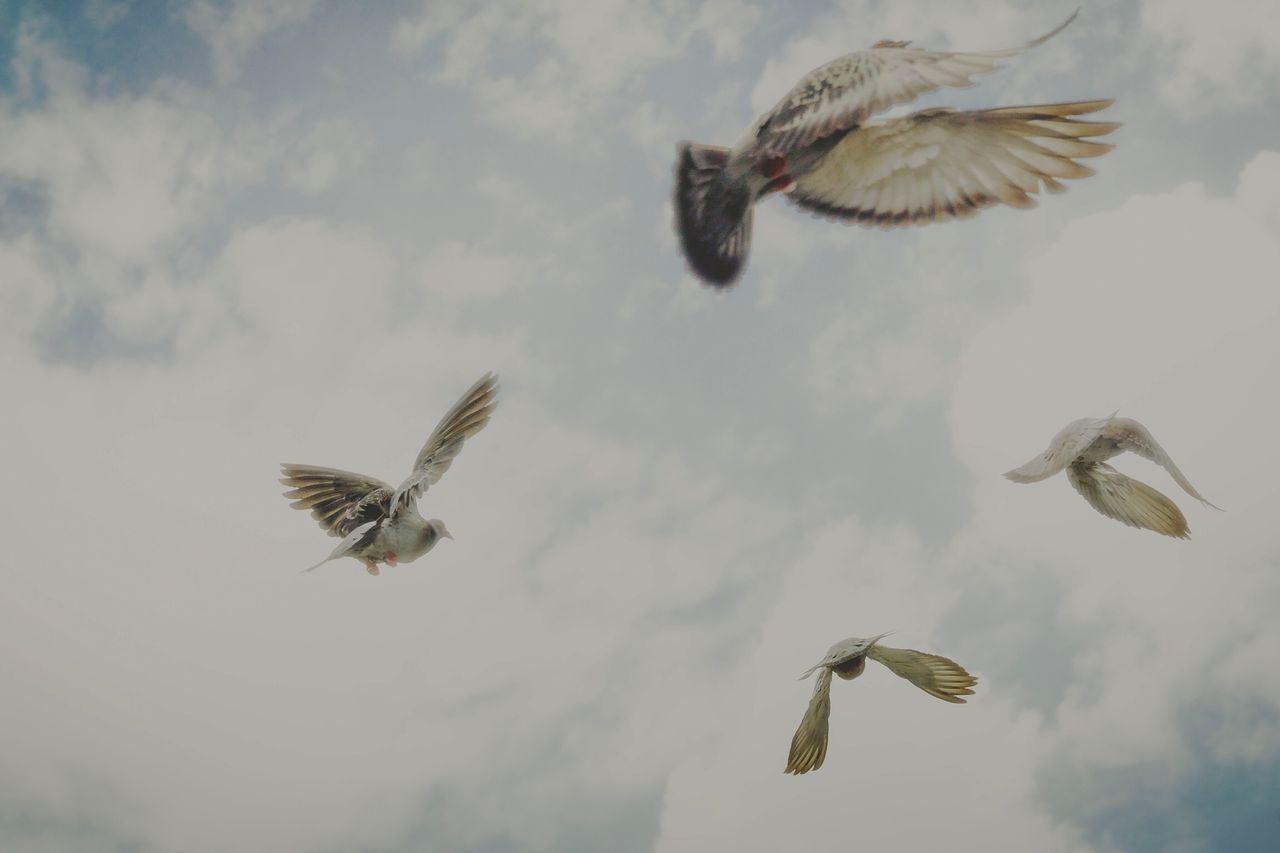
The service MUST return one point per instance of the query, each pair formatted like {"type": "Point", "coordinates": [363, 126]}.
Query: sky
{"type": "Point", "coordinates": [236, 234]}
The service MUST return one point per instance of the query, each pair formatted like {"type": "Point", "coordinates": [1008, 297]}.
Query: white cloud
{"type": "Point", "coordinates": [232, 28]}
{"type": "Point", "coordinates": [595, 55]}
{"type": "Point", "coordinates": [1162, 307]}
{"type": "Point", "coordinates": [1210, 58]}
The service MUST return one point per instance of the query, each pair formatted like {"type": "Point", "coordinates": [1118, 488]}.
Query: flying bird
{"type": "Point", "coordinates": [1082, 448]}
{"type": "Point", "coordinates": [380, 524]}
{"type": "Point", "coordinates": [817, 146]}
{"type": "Point", "coordinates": [933, 674]}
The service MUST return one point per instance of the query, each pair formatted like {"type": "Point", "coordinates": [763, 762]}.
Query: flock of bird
{"type": "Point", "coordinates": [818, 147]}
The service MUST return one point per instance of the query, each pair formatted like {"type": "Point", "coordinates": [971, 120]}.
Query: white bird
{"type": "Point", "coordinates": [380, 524]}
{"type": "Point", "coordinates": [933, 674]}
{"type": "Point", "coordinates": [1082, 448]}
{"type": "Point", "coordinates": [818, 147]}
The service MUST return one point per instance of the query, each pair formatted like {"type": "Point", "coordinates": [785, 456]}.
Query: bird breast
{"type": "Point", "coordinates": [407, 537]}
{"type": "Point", "coordinates": [850, 669]}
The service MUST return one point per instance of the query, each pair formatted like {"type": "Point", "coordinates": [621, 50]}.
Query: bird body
{"type": "Point", "coordinates": [1082, 449]}
{"type": "Point", "coordinates": [938, 676]}
{"type": "Point", "coordinates": [380, 524]}
{"type": "Point", "coordinates": [818, 146]}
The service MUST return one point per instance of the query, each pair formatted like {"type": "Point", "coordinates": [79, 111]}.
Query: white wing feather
{"type": "Point", "coordinates": [1069, 443]}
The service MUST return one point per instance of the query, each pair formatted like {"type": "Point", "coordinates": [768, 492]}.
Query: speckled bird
{"type": "Point", "coordinates": [935, 675]}
{"type": "Point", "coordinates": [380, 524]}
{"type": "Point", "coordinates": [818, 147]}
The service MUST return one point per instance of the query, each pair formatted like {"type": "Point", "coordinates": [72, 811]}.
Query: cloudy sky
{"type": "Point", "coordinates": [234, 234]}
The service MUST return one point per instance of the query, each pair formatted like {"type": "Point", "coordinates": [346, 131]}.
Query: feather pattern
{"type": "Point", "coordinates": [340, 500]}
{"type": "Point", "coordinates": [467, 417]}
{"type": "Point", "coordinates": [938, 676]}
{"type": "Point", "coordinates": [809, 743]}
{"type": "Point", "coordinates": [941, 164]}
{"type": "Point", "coordinates": [841, 94]}
{"type": "Point", "coordinates": [1127, 500]}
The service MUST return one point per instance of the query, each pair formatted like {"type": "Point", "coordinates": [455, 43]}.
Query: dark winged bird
{"type": "Point", "coordinates": [1083, 447]}
{"type": "Point", "coordinates": [380, 524]}
{"type": "Point", "coordinates": [819, 148]}
{"type": "Point", "coordinates": [933, 674]}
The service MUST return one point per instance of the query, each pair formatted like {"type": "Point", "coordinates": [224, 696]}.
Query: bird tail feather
{"type": "Point", "coordinates": [713, 214]}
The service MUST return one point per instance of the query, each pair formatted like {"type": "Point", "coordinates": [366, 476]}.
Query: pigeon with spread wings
{"type": "Point", "coordinates": [1083, 447]}
{"type": "Point", "coordinates": [933, 674]}
{"type": "Point", "coordinates": [817, 146]}
{"type": "Point", "coordinates": [380, 524]}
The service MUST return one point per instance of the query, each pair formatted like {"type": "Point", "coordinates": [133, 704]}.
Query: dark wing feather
{"type": "Point", "coordinates": [467, 417]}
{"type": "Point", "coordinates": [340, 500]}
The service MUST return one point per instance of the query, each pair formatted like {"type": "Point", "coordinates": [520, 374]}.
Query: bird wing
{"type": "Point", "coordinates": [1068, 444]}
{"type": "Point", "coordinates": [467, 417]}
{"type": "Point", "coordinates": [809, 743]}
{"type": "Point", "coordinates": [940, 164]}
{"type": "Point", "coordinates": [1133, 436]}
{"type": "Point", "coordinates": [934, 674]}
{"type": "Point", "coordinates": [340, 500]}
{"type": "Point", "coordinates": [1127, 500]}
{"type": "Point", "coordinates": [844, 92]}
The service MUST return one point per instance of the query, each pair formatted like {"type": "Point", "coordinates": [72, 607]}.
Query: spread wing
{"type": "Point", "coordinates": [843, 93]}
{"type": "Point", "coordinates": [1069, 443]}
{"type": "Point", "coordinates": [809, 743]}
{"type": "Point", "coordinates": [1127, 500]}
{"type": "Point", "coordinates": [467, 417]}
{"type": "Point", "coordinates": [340, 500]}
{"type": "Point", "coordinates": [941, 164]}
{"type": "Point", "coordinates": [934, 674]}
{"type": "Point", "coordinates": [1133, 436]}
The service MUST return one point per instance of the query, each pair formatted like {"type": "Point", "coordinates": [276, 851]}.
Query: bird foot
{"type": "Point", "coordinates": [371, 567]}
{"type": "Point", "coordinates": [390, 559]}
{"type": "Point", "coordinates": [890, 43]}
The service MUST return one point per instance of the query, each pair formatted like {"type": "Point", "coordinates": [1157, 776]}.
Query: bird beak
{"type": "Point", "coordinates": [878, 638]}
{"type": "Point", "coordinates": [447, 535]}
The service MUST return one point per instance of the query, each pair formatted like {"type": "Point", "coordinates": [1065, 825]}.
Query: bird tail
{"type": "Point", "coordinates": [317, 565]}
{"type": "Point", "coordinates": [713, 214]}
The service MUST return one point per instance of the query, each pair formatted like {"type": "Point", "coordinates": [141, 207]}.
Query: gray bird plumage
{"type": "Point", "coordinates": [380, 524]}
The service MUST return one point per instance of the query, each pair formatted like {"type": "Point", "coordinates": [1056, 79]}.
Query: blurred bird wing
{"type": "Point", "coordinates": [467, 417]}
{"type": "Point", "coordinates": [1127, 500]}
{"type": "Point", "coordinates": [1135, 437]}
{"type": "Point", "coordinates": [340, 500]}
{"type": "Point", "coordinates": [844, 92]}
{"type": "Point", "coordinates": [1068, 444]}
{"type": "Point", "coordinates": [941, 164]}
{"type": "Point", "coordinates": [934, 674]}
{"type": "Point", "coordinates": [809, 743]}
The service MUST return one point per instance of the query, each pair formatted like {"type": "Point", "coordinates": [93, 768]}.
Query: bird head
{"type": "Point", "coordinates": [438, 528]}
